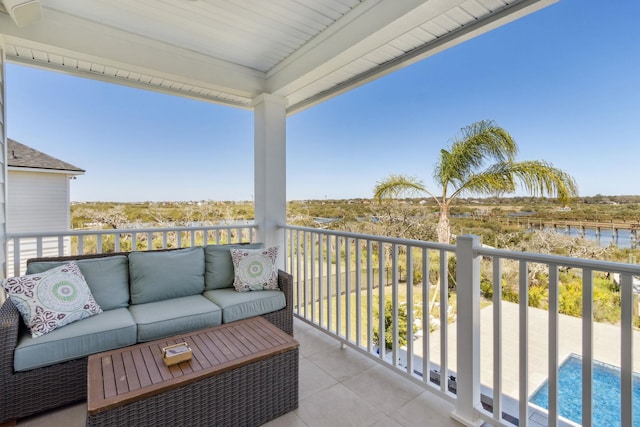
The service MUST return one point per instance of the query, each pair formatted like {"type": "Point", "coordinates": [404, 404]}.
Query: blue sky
{"type": "Point", "coordinates": [565, 82]}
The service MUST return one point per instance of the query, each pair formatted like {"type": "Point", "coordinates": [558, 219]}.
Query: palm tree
{"type": "Point", "coordinates": [481, 161]}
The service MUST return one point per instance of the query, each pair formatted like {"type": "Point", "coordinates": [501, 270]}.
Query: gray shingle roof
{"type": "Point", "coordinates": [19, 155]}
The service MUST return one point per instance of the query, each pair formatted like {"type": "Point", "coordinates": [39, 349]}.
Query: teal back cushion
{"type": "Point", "coordinates": [108, 278]}
{"type": "Point", "coordinates": [219, 273]}
{"type": "Point", "coordinates": [157, 276]}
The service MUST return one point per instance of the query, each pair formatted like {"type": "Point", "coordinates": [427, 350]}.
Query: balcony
{"type": "Point", "coordinates": [493, 353]}
{"type": "Point", "coordinates": [337, 387]}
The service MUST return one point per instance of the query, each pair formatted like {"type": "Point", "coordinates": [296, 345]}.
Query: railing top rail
{"type": "Point", "coordinates": [384, 239]}
{"type": "Point", "coordinates": [127, 230]}
{"type": "Point", "coordinates": [566, 261]}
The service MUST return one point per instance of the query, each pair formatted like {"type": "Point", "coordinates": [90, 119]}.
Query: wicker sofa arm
{"type": "Point", "coordinates": [285, 283]}
{"type": "Point", "coordinates": [9, 327]}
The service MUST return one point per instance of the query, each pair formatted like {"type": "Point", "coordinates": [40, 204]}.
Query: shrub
{"type": "Point", "coordinates": [388, 325]}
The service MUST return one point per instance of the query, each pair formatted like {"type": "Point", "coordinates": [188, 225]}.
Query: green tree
{"type": "Point", "coordinates": [481, 161]}
{"type": "Point", "coordinates": [388, 325]}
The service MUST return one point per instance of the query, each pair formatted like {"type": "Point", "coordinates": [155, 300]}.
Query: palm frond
{"type": "Point", "coordinates": [395, 186]}
{"type": "Point", "coordinates": [480, 142]}
{"type": "Point", "coordinates": [539, 178]}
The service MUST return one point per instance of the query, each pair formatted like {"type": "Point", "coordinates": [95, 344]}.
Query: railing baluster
{"type": "Point", "coordinates": [338, 286]}
{"type": "Point", "coordinates": [381, 327]}
{"type": "Point", "coordinates": [312, 263]}
{"type": "Point", "coordinates": [358, 293]}
{"type": "Point", "coordinates": [80, 245]}
{"type": "Point", "coordinates": [329, 285]}
{"type": "Point", "coordinates": [16, 256]}
{"type": "Point", "coordinates": [347, 287]}
{"type": "Point", "coordinates": [99, 244]}
{"type": "Point", "coordinates": [426, 317]}
{"type": "Point", "coordinates": [409, 306]}
{"type": "Point", "coordinates": [370, 295]}
{"type": "Point", "coordinates": [61, 251]}
{"type": "Point", "coordinates": [305, 276]}
{"type": "Point", "coordinates": [444, 322]}
{"type": "Point", "coordinates": [301, 310]}
{"type": "Point", "coordinates": [626, 350]}
{"type": "Point", "coordinates": [523, 326]}
{"type": "Point", "coordinates": [149, 241]}
{"type": "Point", "coordinates": [394, 303]}
{"type": "Point", "coordinates": [587, 347]}
{"type": "Point", "coordinates": [497, 338]}
{"type": "Point", "coordinates": [553, 344]}
{"type": "Point", "coordinates": [321, 294]}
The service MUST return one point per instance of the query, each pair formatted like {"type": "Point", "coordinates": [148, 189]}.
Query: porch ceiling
{"type": "Point", "coordinates": [231, 51]}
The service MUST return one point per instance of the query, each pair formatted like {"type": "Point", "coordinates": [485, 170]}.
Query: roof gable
{"type": "Point", "coordinates": [22, 156]}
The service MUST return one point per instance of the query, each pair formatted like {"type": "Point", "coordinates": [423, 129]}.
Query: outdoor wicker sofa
{"type": "Point", "coordinates": [28, 391]}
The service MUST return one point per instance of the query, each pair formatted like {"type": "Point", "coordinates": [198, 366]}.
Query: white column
{"type": "Point", "coordinates": [3, 165]}
{"type": "Point", "coordinates": [270, 184]}
{"type": "Point", "coordinates": [468, 338]}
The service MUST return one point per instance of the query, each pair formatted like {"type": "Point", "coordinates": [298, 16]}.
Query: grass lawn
{"type": "Point", "coordinates": [317, 307]}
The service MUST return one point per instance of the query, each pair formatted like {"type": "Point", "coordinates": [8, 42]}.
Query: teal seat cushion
{"type": "Point", "coordinates": [242, 305]}
{"type": "Point", "coordinates": [105, 331]}
{"type": "Point", "coordinates": [161, 319]}
{"type": "Point", "coordinates": [162, 275]}
{"type": "Point", "coordinates": [108, 278]}
{"type": "Point", "coordinates": [219, 271]}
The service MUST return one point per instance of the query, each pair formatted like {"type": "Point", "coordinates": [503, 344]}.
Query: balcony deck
{"type": "Point", "coordinates": [337, 387]}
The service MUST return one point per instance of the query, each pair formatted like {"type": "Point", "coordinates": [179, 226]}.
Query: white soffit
{"type": "Point", "coordinates": [231, 51]}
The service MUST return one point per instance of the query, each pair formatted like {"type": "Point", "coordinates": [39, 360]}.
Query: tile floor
{"type": "Point", "coordinates": [338, 387]}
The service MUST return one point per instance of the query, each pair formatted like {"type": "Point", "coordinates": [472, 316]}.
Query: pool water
{"type": "Point", "coordinates": [606, 393]}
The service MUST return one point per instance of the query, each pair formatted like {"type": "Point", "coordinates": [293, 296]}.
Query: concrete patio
{"type": "Point", "coordinates": [338, 387]}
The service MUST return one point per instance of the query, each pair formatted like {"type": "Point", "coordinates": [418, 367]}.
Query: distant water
{"type": "Point", "coordinates": [624, 239]}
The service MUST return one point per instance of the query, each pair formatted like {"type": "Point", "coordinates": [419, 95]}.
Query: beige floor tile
{"type": "Point", "coordinates": [342, 363]}
{"type": "Point", "coordinates": [287, 420]}
{"type": "Point", "coordinates": [427, 409]}
{"type": "Point", "coordinates": [69, 416]}
{"type": "Point", "coordinates": [383, 388]}
{"type": "Point", "coordinates": [313, 341]}
{"type": "Point", "coordinates": [337, 406]}
{"type": "Point", "coordinates": [387, 422]}
{"type": "Point", "coordinates": [313, 379]}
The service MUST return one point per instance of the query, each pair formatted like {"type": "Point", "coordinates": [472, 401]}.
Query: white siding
{"type": "Point", "coordinates": [37, 201]}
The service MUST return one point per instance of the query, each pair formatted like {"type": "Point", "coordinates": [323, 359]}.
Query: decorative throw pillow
{"type": "Point", "coordinates": [255, 269]}
{"type": "Point", "coordinates": [52, 299]}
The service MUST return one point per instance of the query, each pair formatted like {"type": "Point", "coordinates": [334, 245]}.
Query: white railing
{"type": "Point", "coordinates": [338, 283]}
{"type": "Point", "coordinates": [22, 246]}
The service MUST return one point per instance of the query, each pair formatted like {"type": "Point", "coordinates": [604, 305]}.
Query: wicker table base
{"type": "Point", "coordinates": [242, 374]}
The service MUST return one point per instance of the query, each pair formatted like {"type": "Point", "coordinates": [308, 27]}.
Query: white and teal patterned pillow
{"type": "Point", "coordinates": [255, 269]}
{"type": "Point", "coordinates": [52, 299]}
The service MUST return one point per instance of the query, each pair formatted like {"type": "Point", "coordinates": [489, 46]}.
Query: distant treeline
{"type": "Point", "coordinates": [116, 215]}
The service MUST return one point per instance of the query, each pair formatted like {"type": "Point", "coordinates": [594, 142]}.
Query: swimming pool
{"type": "Point", "coordinates": [606, 393]}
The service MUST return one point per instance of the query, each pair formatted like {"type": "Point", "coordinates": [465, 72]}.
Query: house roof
{"type": "Point", "coordinates": [22, 156]}
{"type": "Point", "coordinates": [230, 52]}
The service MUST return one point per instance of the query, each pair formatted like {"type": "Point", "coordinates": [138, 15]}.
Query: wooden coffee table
{"type": "Point", "coordinates": [242, 373]}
